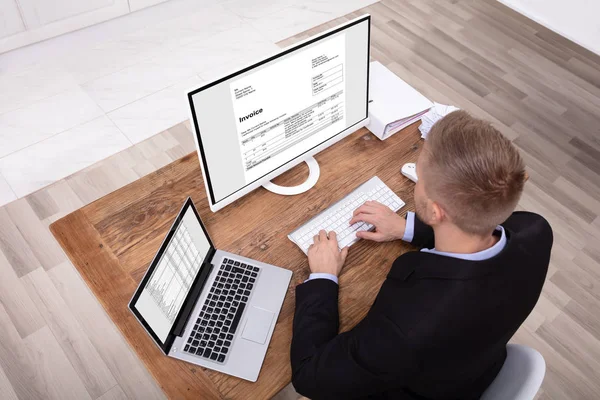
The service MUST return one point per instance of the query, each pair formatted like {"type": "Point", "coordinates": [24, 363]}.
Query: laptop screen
{"type": "Point", "coordinates": [169, 279]}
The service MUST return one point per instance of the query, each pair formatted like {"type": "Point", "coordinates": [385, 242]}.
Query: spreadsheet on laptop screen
{"type": "Point", "coordinates": [168, 286]}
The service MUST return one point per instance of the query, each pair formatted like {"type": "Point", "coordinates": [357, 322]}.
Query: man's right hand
{"type": "Point", "coordinates": [388, 225]}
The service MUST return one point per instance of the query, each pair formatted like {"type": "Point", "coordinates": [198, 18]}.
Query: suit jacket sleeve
{"type": "Point", "coordinates": [326, 365]}
{"type": "Point", "coordinates": [423, 235]}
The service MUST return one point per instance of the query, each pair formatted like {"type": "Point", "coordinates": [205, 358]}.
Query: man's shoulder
{"type": "Point", "coordinates": [529, 224]}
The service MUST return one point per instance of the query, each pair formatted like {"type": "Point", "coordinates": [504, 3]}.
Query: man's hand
{"type": "Point", "coordinates": [388, 225]}
{"type": "Point", "coordinates": [324, 255]}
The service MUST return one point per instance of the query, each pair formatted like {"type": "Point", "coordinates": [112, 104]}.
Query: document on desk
{"type": "Point", "coordinates": [271, 131]}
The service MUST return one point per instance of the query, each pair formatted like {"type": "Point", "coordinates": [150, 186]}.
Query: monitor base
{"type": "Point", "coordinates": [313, 176]}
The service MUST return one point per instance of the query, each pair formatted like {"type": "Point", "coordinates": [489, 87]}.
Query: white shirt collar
{"type": "Point", "coordinates": [479, 256]}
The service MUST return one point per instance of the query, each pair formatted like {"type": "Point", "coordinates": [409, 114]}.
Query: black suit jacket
{"type": "Point", "coordinates": [438, 328]}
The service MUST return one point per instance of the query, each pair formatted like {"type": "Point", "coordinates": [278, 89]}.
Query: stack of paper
{"type": "Point", "coordinates": [437, 112]}
{"type": "Point", "coordinates": [394, 104]}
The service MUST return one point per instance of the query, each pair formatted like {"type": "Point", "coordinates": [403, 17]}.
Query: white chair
{"type": "Point", "coordinates": [520, 377]}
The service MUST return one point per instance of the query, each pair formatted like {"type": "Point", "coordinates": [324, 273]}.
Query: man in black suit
{"type": "Point", "coordinates": [439, 326]}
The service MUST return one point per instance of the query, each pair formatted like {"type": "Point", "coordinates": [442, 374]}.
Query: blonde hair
{"type": "Point", "coordinates": [473, 172]}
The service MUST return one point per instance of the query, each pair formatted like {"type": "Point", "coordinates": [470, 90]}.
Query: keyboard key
{"type": "Point", "coordinates": [227, 305]}
{"type": "Point", "coordinates": [209, 330]}
{"type": "Point", "coordinates": [245, 299]}
{"type": "Point", "coordinates": [214, 356]}
{"type": "Point", "coordinates": [237, 263]}
{"type": "Point", "coordinates": [236, 319]}
{"type": "Point", "coordinates": [249, 286]}
{"type": "Point", "coordinates": [254, 274]}
{"type": "Point", "coordinates": [222, 336]}
{"type": "Point", "coordinates": [255, 269]}
{"type": "Point", "coordinates": [224, 350]}
{"type": "Point", "coordinates": [245, 279]}
{"type": "Point", "coordinates": [246, 293]}
{"type": "Point", "coordinates": [211, 344]}
{"type": "Point", "coordinates": [229, 337]}
{"type": "Point", "coordinates": [228, 268]}
{"type": "Point", "coordinates": [207, 352]}
{"type": "Point", "coordinates": [203, 343]}
{"type": "Point", "coordinates": [252, 280]}
{"type": "Point", "coordinates": [187, 346]}
{"type": "Point", "coordinates": [243, 285]}
{"type": "Point", "coordinates": [217, 349]}
{"type": "Point", "coordinates": [247, 272]}
{"type": "Point", "coordinates": [199, 351]}
{"type": "Point", "coordinates": [210, 310]}
{"type": "Point", "coordinates": [206, 336]}
{"type": "Point", "coordinates": [221, 358]}
{"type": "Point", "coordinates": [219, 343]}
{"type": "Point", "coordinates": [221, 317]}
{"type": "Point", "coordinates": [219, 324]}
{"type": "Point", "coordinates": [204, 322]}
{"type": "Point", "coordinates": [243, 265]}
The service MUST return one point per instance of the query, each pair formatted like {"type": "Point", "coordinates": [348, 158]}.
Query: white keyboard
{"type": "Point", "coordinates": [337, 217]}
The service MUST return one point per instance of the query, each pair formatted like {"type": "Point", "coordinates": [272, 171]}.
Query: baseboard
{"type": "Point", "coordinates": [532, 17]}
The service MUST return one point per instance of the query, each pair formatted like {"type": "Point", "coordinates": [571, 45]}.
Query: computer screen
{"type": "Point", "coordinates": [171, 276]}
{"type": "Point", "coordinates": [251, 123]}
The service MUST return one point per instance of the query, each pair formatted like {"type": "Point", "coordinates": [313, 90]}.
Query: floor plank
{"type": "Point", "coordinates": [6, 390]}
{"type": "Point", "coordinates": [15, 247]}
{"type": "Point", "coordinates": [116, 393]}
{"type": "Point", "coordinates": [128, 371]}
{"type": "Point", "coordinates": [22, 312]}
{"type": "Point", "coordinates": [41, 242]}
{"type": "Point", "coordinates": [82, 355]}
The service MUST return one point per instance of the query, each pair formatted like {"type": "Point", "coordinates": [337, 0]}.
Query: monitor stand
{"type": "Point", "coordinates": [313, 177]}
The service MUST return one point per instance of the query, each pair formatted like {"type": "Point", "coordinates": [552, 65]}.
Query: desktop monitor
{"type": "Point", "coordinates": [256, 123]}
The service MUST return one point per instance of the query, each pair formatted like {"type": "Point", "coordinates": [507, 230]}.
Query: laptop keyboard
{"type": "Point", "coordinates": [218, 321]}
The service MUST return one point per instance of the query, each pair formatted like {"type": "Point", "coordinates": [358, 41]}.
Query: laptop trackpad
{"type": "Point", "coordinates": [258, 325]}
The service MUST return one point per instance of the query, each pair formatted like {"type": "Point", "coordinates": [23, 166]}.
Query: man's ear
{"type": "Point", "coordinates": [437, 213]}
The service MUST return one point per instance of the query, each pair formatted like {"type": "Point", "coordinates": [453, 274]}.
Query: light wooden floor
{"type": "Point", "coordinates": [540, 90]}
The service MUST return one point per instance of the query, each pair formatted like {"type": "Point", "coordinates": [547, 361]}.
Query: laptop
{"type": "Point", "coordinates": [206, 306]}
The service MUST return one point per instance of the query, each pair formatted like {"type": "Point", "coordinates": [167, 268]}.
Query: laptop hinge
{"type": "Point", "coordinates": [190, 303]}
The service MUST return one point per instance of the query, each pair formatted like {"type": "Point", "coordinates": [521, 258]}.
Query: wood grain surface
{"type": "Point", "coordinates": [112, 241]}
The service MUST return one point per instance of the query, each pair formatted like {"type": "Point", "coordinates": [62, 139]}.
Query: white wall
{"type": "Point", "coordinates": [578, 20]}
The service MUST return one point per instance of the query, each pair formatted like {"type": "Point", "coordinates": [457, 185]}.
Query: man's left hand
{"type": "Point", "coordinates": [324, 255]}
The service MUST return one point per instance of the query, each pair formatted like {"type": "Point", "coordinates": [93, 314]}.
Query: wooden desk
{"type": "Point", "coordinates": [112, 241]}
